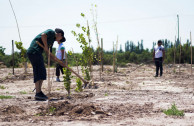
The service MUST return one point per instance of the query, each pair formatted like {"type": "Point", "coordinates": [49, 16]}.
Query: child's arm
{"type": "Point", "coordinates": [62, 51]}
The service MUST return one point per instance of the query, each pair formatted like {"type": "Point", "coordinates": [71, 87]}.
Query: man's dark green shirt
{"type": "Point", "coordinates": [35, 48]}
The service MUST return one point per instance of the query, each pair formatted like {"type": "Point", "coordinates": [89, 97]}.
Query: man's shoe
{"type": "Point", "coordinates": [160, 75]}
{"type": "Point", "coordinates": [156, 76]}
{"type": "Point", "coordinates": [40, 96]}
{"type": "Point", "coordinates": [58, 80]}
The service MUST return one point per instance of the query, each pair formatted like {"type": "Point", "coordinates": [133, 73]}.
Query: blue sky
{"type": "Point", "coordinates": [131, 20]}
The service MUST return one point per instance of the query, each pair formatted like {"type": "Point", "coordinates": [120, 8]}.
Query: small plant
{"type": "Point", "coordinates": [174, 111]}
{"type": "Point", "coordinates": [52, 110]}
{"type": "Point", "coordinates": [106, 94]}
{"type": "Point", "coordinates": [2, 87]}
{"type": "Point", "coordinates": [20, 46]}
{"type": "Point", "coordinates": [67, 80]}
{"type": "Point", "coordinates": [87, 74]}
{"type": "Point", "coordinates": [127, 82]}
{"type": "Point", "coordinates": [79, 85]}
{"type": "Point", "coordinates": [38, 114]}
{"type": "Point", "coordinates": [5, 97]}
{"type": "Point", "coordinates": [87, 53]}
{"type": "Point", "coordinates": [23, 92]}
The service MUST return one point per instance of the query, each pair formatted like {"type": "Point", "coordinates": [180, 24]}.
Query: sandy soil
{"type": "Point", "coordinates": [127, 97]}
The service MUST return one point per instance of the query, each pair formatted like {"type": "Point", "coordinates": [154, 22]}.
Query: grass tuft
{"type": "Point", "coordinates": [23, 92]}
{"type": "Point", "coordinates": [5, 97]}
{"type": "Point", "coordinates": [174, 111]}
{"type": "Point", "coordinates": [2, 87]}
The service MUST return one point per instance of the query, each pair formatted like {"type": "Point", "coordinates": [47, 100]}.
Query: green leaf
{"type": "Point", "coordinates": [78, 25]}
{"type": "Point", "coordinates": [82, 14]}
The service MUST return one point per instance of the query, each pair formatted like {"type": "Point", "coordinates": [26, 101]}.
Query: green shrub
{"type": "Point", "coordinates": [67, 80]}
{"type": "Point", "coordinates": [78, 85]}
{"type": "Point", "coordinates": [174, 111]}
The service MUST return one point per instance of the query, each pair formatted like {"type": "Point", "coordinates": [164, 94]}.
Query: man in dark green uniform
{"type": "Point", "coordinates": [34, 53]}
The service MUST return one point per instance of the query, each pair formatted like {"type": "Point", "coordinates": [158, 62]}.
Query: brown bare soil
{"type": "Point", "coordinates": [132, 96]}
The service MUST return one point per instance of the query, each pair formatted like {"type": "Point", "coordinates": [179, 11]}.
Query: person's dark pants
{"type": "Point", "coordinates": [39, 69]}
{"type": "Point", "coordinates": [58, 69]}
{"type": "Point", "coordinates": [158, 63]}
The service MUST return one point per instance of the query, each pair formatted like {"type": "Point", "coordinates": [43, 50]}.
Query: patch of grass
{"type": "Point", "coordinates": [106, 94]}
{"type": "Point", "coordinates": [2, 87]}
{"type": "Point", "coordinates": [38, 114]}
{"type": "Point", "coordinates": [52, 110]}
{"type": "Point", "coordinates": [5, 97]}
{"type": "Point", "coordinates": [23, 92]}
{"type": "Point", "coordinates": [174, 111]}
{"type": "Point", "coordinates": [58, 89]}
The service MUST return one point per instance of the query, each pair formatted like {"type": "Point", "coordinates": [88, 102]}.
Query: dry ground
{"type": "Point", "coordinates": [127, 97]}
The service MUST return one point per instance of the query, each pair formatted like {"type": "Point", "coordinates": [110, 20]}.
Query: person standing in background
{"type": "Point", "coordinates": [61, 55]}
{"type": "Point", "coordinates": [158, 57]}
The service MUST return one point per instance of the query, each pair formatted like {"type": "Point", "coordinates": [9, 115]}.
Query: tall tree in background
{"type": "Point", "coordinates": [127, 46]}
{"type": "Point", "coordinates": [120, 51]}
{"type": "Point", "coordinates": [142, 48]}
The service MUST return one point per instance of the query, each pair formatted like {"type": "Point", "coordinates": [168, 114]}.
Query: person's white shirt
{"type": "Point", "coordinates": [159, 51]}
{"type": "Point", "coordinates": [59, 53]}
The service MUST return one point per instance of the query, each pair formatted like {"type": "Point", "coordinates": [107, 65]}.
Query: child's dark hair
{"type": "Point", "coordinates": [160, 41]}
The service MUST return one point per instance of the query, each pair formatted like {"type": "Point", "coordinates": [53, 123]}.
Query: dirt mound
{"type": "Point", "coordinates": [132, 110]}
{"type": "Point", "coordinates": [61, 96]}
{"type": "Point", "coordinates": [12, 78]}
{"type": "Point", "coordinates": [65, 108]}
{"type": "Point", "coordinates": [11, 110]}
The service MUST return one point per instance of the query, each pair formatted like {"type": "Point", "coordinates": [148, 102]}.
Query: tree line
{"type": "Point", "coordinates": [132, 54]}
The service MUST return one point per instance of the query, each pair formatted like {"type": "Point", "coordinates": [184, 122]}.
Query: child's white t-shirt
{"type": "Point", "coordinates": [159, 51]}
{"type": "Point", "coordinates": [59, 53]}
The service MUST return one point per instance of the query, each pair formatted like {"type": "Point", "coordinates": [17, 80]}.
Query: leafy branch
{"type": "Point", "coordinates": [22, 49]}
{"type": "Point", "coordinates": [87, 53]}
{"type": "Point", "coordinates": [78, 85]}
{"type": "Point", "coordinates": [67, 80]}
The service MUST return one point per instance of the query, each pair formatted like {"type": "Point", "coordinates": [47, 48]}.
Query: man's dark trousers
{"type": "Point", "coordinates": [158, 63]}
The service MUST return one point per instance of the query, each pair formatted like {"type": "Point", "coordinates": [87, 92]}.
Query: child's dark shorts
{"type": "Point", "coordinates": [39, 69]}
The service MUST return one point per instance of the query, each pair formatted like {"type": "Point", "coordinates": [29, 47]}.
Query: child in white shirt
{"type": "Point", "coordinates": [158, 56]}
{"type": "Point", "coordinates": [61, 55]}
